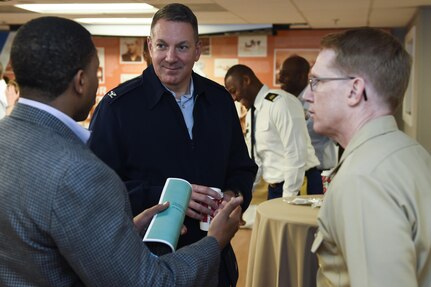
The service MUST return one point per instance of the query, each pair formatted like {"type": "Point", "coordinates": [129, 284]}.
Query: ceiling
{"type": "Point", "coordinates": [297, 13]}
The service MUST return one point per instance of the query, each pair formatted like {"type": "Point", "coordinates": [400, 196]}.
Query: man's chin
{"type": "Point", "coordinates": [318, 128]}
{"type": "Point", "coordinates": [316, 125]}
{"type": "Point", "coordinates": [169, 75]}
{"type": "Point", "coordinates": [245, 104]}
{"type": "Point", "coordinates": [81, 117]}
{"type": "Point", "coordinates": [170, 79]}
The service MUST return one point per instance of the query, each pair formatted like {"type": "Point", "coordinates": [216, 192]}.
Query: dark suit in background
{"type": "Point", "coordinates": [141, 134]}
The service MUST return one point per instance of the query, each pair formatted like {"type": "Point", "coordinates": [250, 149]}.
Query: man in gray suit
{"type": "Point", "coordinates": [65, 216]}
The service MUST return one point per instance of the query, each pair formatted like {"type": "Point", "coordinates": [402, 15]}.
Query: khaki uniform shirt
{"type": "Point", "coordinates": [375, 222]}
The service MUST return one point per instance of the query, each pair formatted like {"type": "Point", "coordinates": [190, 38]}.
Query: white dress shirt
{"type": "Point", "coordinates": [283, 149]}
{"type": "Point", "coordinates": [3, 100]}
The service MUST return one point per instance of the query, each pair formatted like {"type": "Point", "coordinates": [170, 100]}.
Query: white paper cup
{"type": "Point", "coordinates": [326, 180]}
{"type": "Point", "coordinates": [206, 221]}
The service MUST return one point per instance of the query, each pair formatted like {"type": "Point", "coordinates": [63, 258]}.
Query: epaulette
{"type": "Point", "coordinates": [123, 88]}
{"type": "Point", "coordinates": [271, 96]}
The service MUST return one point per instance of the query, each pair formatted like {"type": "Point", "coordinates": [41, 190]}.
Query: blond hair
{"type": "Point", "coordinates": [376, 56]}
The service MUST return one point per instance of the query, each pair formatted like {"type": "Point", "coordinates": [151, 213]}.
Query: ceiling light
{"type": "Point", "coordinates": [89, 8]}
{"type": "Point", "coordinates": [116, 21]}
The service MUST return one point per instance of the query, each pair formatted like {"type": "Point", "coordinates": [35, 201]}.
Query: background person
{"type": "Point", "coordinates": [3, 100]}
{"type": "Point", "coordinates": [65, 217]}
{"type": "Point", "coordinates": [12, 95]}
{"type": "Point", "coordinates": [282, 146]}
{"type": "Point", "coordinates": [375, 222]}
{"type": "Point", "coordinates": [171, 122]}
{"type": "Point", "coordinates": [293, 75]}
{"type": "Point", "coordinates": [294, 79]}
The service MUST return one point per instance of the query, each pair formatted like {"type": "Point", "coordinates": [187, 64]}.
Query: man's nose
{"type": "Point", "coordinates": [308, 94]}
{"type": "Point", "coordinates": [171, 54]}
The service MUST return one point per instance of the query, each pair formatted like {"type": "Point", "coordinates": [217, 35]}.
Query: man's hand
{"type": "Point", "coordinates": [199, 201]}
{"type": "Point", "coordinates": [226, 223]}
{"type": "Point", "coordinates": [228, 194]}
{"type": "Point", "coordinates": [143, 219]}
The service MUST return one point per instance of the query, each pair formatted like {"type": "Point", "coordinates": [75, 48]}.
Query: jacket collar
{"type": "Point", "coordinates": [157, 90]}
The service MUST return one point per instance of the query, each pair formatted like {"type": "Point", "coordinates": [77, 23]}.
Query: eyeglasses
{"type": "Point", "coordinates": [315, 80]}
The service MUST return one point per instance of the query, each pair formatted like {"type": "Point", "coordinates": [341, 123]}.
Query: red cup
{"type": "Point", "coordinates": [206, 221]}
{"type": "Point", "coordinates": [326, 180]}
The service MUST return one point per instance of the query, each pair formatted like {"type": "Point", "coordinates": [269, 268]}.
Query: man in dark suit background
{"type": "Point", "coordinates": [65, 216]}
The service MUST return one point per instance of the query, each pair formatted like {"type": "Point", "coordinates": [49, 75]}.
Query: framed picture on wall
{"type": "Point", "coordinates": [252, 46]}
{"type": "Point", "coordinates": [205, 46]}
{"type": "Point", "coordinates": [282, 54]}
{"type": "Point", "coordinates": [101, 69]}
{"type": "Point", "coordinates": [131, 50]}
{"type": "Point", "coordinates": [222, 65]}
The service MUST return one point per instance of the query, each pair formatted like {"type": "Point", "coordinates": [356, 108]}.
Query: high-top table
{"type": "Point", "coordinates": [281, 240]}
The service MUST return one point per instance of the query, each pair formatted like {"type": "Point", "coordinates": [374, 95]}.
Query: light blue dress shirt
{"type": "Point", "coordinates": [186, 104]}
{"type": "Point", "coordinates": [82, 133]}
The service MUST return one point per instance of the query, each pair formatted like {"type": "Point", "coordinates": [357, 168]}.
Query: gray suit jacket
{"type": "Point", "coordinates": [65, 216]}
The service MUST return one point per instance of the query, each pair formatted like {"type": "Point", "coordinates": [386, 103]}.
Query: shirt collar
{"type": "Point", "coordinates": [260, 96]}
{"type": "Point", "coordinates": [188, 94]}
{"type": "Point", "coordinates": [373, 128]}
{"type": "Point", "coordinates": [82, 133]}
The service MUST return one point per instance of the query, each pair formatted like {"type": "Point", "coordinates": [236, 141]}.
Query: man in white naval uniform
{"type": "Point", "coordinates": [276, 133]}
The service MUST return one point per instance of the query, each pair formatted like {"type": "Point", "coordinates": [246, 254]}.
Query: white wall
{"type": "Point", "coordinates": [421, 120]}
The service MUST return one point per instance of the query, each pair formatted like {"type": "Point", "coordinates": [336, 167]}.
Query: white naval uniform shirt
{"type": "Point", "coordinates": [283, 149]}
{"type": "Point", "coordinates": [3, 99]}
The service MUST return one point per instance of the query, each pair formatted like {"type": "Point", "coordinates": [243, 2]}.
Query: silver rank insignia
{"type": "Point", "coordinates": [112, 94]}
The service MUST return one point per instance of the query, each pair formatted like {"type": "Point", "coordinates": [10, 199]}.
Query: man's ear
{"type": "Point", "coordinates": [357, 91]}
{"type": "Point", "coordinates": [79, 82]}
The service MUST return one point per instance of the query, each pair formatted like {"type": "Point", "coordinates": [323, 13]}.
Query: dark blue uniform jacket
{"type": "Point", "coordinates": [139, 131]}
